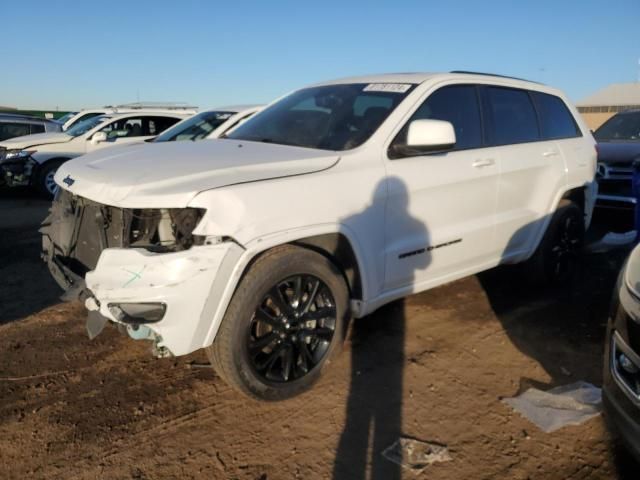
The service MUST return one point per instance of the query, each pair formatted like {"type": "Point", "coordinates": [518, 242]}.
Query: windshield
{"type": "Point", "coordinates": [66, 117]}
{"type": "Point", "coordinates": [624, 126]}
{"type": "Point", "coordinates": [196, 127]}
{"type": "Point", "coordinates": [331, 117]}
{"type": "Point", "coordinates": [83, 127]}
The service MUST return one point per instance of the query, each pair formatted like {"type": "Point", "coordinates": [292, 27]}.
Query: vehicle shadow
{"type": "Point", "coordinates": [374, 405]}
{"type": "Point", "coordinates": [561, 327]}
{"type": "Point", "coordinates": [26, 286]}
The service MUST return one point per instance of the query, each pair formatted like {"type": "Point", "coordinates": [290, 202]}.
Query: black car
{"type": "Point", "coordinates": [621, 381]}
{"type": "Point", "coordinates": [618, 148]}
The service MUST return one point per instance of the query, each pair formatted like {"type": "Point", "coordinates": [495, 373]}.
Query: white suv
{"type": "Point", "coordinates": [72, 119]}
{"type": "Point", "coordinates": [329, 203]}
{"type": "Point", "coordinates": [209, 124]}
{"type": "Point", "coordinates": [34, 159]}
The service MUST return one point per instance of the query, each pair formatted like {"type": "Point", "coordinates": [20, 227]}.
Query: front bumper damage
{"type": "Point", "coordinates": [162, 296]}
{"type": "Point", "coordinates": [16, 172]}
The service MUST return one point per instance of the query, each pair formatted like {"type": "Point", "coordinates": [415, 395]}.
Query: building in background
{"type": "Point", "coordinates": [599, 107]}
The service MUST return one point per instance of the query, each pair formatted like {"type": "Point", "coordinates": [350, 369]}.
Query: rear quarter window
{"type": "Point", "coordinates": [512, 116]}
{"type": "Point", "coordinates": [156, 125]}
{"type": "Point", "coordinates": [555, 118]}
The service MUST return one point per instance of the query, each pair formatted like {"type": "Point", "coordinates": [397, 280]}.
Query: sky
{"type": "Point", "coordinates": [81, 54]}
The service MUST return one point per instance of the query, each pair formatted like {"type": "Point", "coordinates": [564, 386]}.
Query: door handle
{"type": "Point", "coordinates": [485, 162]}
{"type": "Point", "coordinates": [550, 153]}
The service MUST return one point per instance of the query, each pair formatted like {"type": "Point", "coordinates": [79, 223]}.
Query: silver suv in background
{"type": "Point", "coordinates": [13, 125]}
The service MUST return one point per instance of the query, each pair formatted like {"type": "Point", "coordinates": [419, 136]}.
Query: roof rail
{"type": "Point", "coordinates": [155, 105]}
{"type": "Point", "coordinates": [492, 75]}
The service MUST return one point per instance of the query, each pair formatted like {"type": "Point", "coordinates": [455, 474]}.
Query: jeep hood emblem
{"type": "Point", "coordinates": [68, 180]}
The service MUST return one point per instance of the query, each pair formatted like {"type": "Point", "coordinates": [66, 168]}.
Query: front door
{"type": "Point", "coordinates": [439, 219]}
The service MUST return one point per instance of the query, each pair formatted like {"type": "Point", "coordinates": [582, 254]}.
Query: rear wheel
{"type": "Point", "coordinates": [555, 260]}
{"type": "Point", "coordinates": [44, 182]}
{"type": "Point", "coordinates": [284, 324]}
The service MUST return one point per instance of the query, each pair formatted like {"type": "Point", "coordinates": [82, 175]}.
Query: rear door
{"type": "Point", "coordinates": [532, 168]}
{"type": "Point", "coordinates": [441, 206]}
{"type": "Point", "coordinates": [558, 124]}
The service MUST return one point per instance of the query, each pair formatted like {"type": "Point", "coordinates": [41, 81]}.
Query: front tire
{"type": "Point", "coordinates": [285, 322]}
{"type": "Point", "coordinates": [555, 260]}
{"type": "Point", "coordinates": [44, 183]}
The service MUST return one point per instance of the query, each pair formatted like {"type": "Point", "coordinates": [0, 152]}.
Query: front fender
{"type": "Point", "coordinates": [229, 277]}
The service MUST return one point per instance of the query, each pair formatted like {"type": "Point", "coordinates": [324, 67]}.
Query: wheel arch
{"type": "Point", "coordinates": [335, 242]}
{"type": "Point", "coordinates": [577, 195]}
{"type": "Point", "coordinates": [41, 166]}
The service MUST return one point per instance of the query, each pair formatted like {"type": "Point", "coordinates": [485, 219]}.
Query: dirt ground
{"type": "Point", "coordinates": [433, 367]}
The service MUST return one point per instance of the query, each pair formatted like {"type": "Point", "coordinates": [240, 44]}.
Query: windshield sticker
{"type": "Point", "coordinates": [387, 87]}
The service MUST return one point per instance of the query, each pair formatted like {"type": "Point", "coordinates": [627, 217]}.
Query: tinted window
{"type": "Point", "coordinates": [156, 125]}
{"type": "Point", "coordinates": [37, 128]}
{"type": "Point", "coordinates": [513, 116]}
{"type": "Point", "coordinates": [457, 104]}
{"type": "Point", "coordinates": [555, 119]}
{"type": "Point", "coordinates": [623, 126]}
{"type": "Point", "coordinates": [11, 130]}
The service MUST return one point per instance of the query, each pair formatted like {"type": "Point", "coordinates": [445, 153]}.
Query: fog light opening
{"type": "Point", "coordinates": [627, 365]}
{"type": "Point", "coordinates": [138, 313]}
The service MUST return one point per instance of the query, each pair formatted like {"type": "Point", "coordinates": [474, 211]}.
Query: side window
{"type": "Point", "coordinates": [457, 104]}
{"type": "Point", "coordinates": [11, 130]}
{"type": "Point", "coordinates": [513, 117]}
{"type": "Point", "coordinates": [157, 125]}
{"type": "Point", "coordinates": [37, 128]}
{"type": "Point", "coordinates": [125, 127]}
{"type": "Point", "coordinates": [556, 120]}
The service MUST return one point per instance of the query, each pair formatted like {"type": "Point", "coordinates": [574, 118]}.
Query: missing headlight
{"type": "Point", "coordinates": [162, 229]}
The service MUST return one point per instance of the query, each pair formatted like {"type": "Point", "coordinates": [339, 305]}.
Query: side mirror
{"type": "Point", "coordinates": [99, 137]}
{"type": "Point", "coordinates": [430, 135]}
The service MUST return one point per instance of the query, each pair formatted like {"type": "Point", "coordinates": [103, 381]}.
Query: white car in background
{"type": "Point", "coordinates": [86, 114]}
{"type": "Point", "coordinates": [34, 159]}
{"type": "Point", "coordinates": [212, 123]}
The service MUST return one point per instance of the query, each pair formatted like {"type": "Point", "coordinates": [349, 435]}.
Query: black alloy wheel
{"type": "Point", "coordinates": [291, 329]}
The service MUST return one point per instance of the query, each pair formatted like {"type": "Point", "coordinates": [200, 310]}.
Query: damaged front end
{"type": "Point", "coordinates": [16, 167]}
{"type": "Point", "coordinates": [79, 232]}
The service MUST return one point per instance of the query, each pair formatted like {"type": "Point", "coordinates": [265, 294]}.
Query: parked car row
{"type": "Point", "coordinates": [33, 160]}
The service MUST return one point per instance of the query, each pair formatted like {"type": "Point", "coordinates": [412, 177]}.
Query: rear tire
{"type": "Point", "coordinates": [285, 323]}
{"type": "Point", "coordinates": [554, 262]}
{"type": "Point", "coordinates": [44, 183]}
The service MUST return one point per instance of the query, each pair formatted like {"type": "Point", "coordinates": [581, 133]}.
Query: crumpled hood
{"type": "Point", "coordinates": [36, 139]}
{"type": "Point", "coordinates": [170, 174]}
{"type": "Point", "coordinates": [618, 153]}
